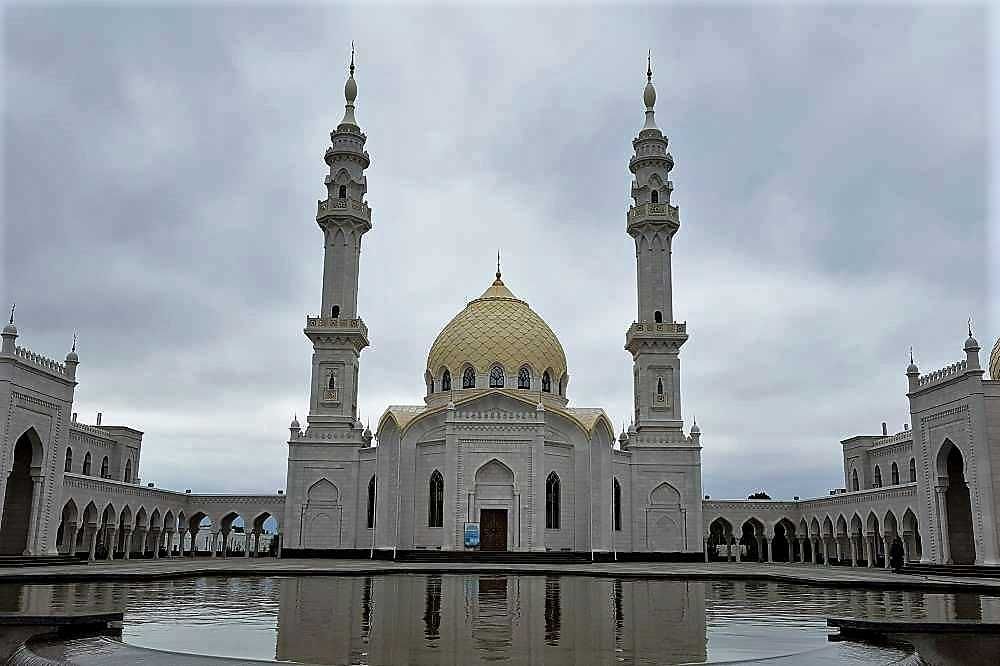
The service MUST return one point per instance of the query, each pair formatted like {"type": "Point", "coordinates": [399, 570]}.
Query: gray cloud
{"type": "Point", "coordinates": [161, 168]}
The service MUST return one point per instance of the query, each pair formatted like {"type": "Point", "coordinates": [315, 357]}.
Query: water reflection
{"type": "Point", "coordinates": [469, 619]}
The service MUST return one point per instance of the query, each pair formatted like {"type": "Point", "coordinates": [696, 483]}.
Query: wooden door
{"type": "Point", "coordinates": [493, 529]}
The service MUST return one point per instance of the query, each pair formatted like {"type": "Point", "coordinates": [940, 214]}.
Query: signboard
{"type": "Point", "coordinates": [471, 533]}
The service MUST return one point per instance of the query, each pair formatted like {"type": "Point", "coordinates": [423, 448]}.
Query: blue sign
{"type": "Point", "coordinates": [471, 535]}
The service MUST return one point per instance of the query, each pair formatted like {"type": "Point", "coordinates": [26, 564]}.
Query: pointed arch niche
{"type": "Point", "coordinates": [495, 491]}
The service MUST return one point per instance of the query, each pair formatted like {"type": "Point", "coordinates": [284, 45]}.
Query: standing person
{"type": "Point", "coordinates": [896, 555]}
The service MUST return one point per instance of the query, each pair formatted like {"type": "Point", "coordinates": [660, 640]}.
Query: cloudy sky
{"type": "Point", "coordinates": [162, 166]}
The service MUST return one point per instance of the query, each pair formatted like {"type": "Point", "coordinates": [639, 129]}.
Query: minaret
{"type": "Point", "coordinates": [654, 339]}
{"type": "Point", "coordinates": [338, 334]}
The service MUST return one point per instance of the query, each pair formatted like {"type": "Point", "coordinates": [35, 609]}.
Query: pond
{"type": "Point", "coordinates": [480, 618]}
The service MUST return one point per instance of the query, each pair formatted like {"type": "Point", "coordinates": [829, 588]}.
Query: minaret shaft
{"type": "Point", "coordinates": [338, 334]}
{"type": "Point", "coordinates": [654, 339]}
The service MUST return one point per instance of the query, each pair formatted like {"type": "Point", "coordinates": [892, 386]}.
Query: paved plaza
{"type": "Point", "coordinates": [790, 573]}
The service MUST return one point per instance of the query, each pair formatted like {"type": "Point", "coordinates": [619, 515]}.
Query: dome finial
{"type": "Point", "coordinates": [352, 58]}
{"type": "Point", "coordinates": [498, 282]}
{"type": "Point", "coordinates": [12, 306]}
{"type": "Point", "coordinates": [74, 342]}
{"type": "Point", "coordinates": [649, 66]}
{"type": "Point", "coordinates": [970, 326]}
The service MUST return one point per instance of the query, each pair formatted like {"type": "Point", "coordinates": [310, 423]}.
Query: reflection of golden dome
{"type": "Point", "coordinates": [500, 328]}
{"type": "Point", "coordinates": [995, 361]}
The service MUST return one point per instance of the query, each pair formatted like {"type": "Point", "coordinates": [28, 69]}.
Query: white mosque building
{"type": "Point", "coordinates": [494, 457]}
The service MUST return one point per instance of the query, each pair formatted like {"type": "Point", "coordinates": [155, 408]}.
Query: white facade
{"type": "Point", "coordinates": [495, 443]}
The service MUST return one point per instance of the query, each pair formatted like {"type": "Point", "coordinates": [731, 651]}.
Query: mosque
{"type": "Point", "coordinates": [494, 457]}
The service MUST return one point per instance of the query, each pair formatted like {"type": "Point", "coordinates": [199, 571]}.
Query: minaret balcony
{"type": "Point", "coordinates": [655, 214]}
{"type": "Point", "coordinates": [332, 323]}
{"type": "Point", "coordinates": [340, 207]}
{"type": "Point", "coordinates": [646, 334]}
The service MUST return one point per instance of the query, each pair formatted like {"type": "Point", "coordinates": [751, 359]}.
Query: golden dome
{"type": "Point", "coordinates": [995, 361]}
{"type": "Point", "coordinates": [496, 328]}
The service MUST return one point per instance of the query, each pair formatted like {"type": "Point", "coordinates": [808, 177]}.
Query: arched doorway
{"type": "Point", "coordinates": [782, 545]}
{"type": "Point", "coordinates": [961, 540]}
{"type": "Point", "coordinates": [15, 526]}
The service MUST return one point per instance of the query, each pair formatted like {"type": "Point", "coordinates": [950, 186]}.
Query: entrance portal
{"type": "Point", "coordinates": [17, 500]}
{"type": "Point", "coordinates": [959, 506]}
{"type": "Point", "coordinates": [493, 529]}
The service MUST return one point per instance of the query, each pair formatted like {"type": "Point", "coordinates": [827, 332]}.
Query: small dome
{"type": "Point", "coordinates": [695, 430]}
{"type": "Point", "coordinates": [623, 438]}
{"type": "Point", "coordinates": [995, 361]}
{"type": "Point", "coordinates": [496, 328]}
{"type": "Point", "coordinates": [10, 329]}
{"type": "Point", "coordinates": [971, 344]}
{"type": "Point", "coordinates": [294, 425]}
{"type": "Point", "coordinates": [72, 357]}
{"type": "Point", "coordinates": [912, 369]}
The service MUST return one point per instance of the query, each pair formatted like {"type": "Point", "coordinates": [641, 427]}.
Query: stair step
{"type": "Point", "coordinates": [974, 570]}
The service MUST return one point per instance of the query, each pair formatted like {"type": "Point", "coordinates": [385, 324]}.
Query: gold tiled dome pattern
{"type": "Point", "coordinates": [500, 328]}
{"type": "Point", "coordinates": [995, 361]}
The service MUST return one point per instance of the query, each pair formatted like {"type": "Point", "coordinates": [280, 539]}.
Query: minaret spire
{"type": "Point", "coordinates": [649, 94]}
{"type": "Point", "coordinates": [12, 306]}
{"type": "Point", "coordinates": [350, 94]}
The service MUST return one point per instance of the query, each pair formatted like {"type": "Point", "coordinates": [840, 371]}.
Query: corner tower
{"type": "Point", "coordinates": [654, 339]}
{"type": "Point", "coordinates": [338, 334]}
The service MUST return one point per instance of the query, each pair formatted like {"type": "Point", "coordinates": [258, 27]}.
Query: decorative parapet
{"type": "Point", "coordinates": [84, 430]}
{"type": "Point", "coordinates": [661, 438]}
{"type": "Point", "coordinates": [901, 436]}
{"type": "Point", "coordinates": [652, 328]}
{"type": "Point", "coordinates": [331, 206]}
{"type": "Point", "coordinates": [337, 324]}
{"type": "Point", "coordinates": [870, 495]}
{"type": "Point", "coordinates": [39, 361]}
{"type": "Point", "coordinates": [942, 375]}
{"type": "Point", "coordinates": [654, 210]}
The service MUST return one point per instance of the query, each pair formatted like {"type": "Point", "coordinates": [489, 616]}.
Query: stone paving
{"type": "Point", "coordinates": [793, 573]}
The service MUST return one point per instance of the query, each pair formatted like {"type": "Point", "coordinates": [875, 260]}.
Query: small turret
{"type": "Point", "coordinates": [72, 360]}
{"type": "Point", "coordinates": [294, 428]}
{"type": "Point", "coordinates": [9, 333]}
{"type": "Point", "coordinates": [912, 374]}
{"type": "Point", "coordinates": [972, 351]}
{"type": "Point", "coordinates": [367, 436]}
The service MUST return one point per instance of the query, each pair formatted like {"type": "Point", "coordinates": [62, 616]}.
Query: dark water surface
{"type": "Point", "coordinates": [472, 619]}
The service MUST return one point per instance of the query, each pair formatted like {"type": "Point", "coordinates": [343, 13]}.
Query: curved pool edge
{"type": "Point", "coordinates": [817, 576]}
{"type": "Point", "coordinates": [111, 652]}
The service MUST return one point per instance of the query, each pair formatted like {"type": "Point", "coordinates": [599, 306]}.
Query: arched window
{"type": "Point", "coordinates": [371, 503]}
{"type": "Point", "coordinates": [469, 378]}
{"type": "Point", "coordinates": [86, 463]}
{"type": "Point", "coordinates": [913, 470]}
{"type": "Point", "coordinates": [617, 499]}
{"type": "Point", "coordinates": [435, 507]}
{"type": "Point", "coordinates": [69, 460]}
{"type": "Point", "coordinates": [335, 312]}
{"type": "Point", "coordinates": [854, 480]}
{"type": "Point", "coordinates": [128, 472]}
{"type": "Point", "coordinates": [655, 197]}
{"type": "Point", "coordinates": [546, 382]}
{"type": "Point", "coordinates": [333, 381]}
{"type": "Point", "coordinates": [445, 381]}
{"type": "Point", "coordinates": [524, 378]}
{"type": "Point", "coordinates": [658, 317]}
{"type": "Point", "coordinates": [496, 377]}
{"type": "Point", "coordinates": [878, 477]}
{"type": "Point", "coordinates": [342, 192]}
{"type": "Point", "coordinates": [895, 474]}
{"type": "Point", "coordinates": [552, 502]}
{"type": "Point", "coordinates": [104, 468]}
{"type": "Point", "coordinates": [659, 386]}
